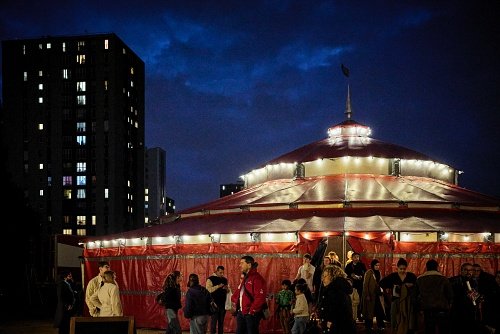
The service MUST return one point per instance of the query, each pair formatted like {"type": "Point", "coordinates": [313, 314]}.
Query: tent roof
{"type": "Point", "coordinates": [351, 202]}
{"type": "Point", "coordinates": [352, 189]}
{"type": "Point", "coordinates": [348, 145]}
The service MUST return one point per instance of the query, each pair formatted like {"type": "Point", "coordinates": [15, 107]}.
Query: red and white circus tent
{"type": "Point", "coordinates": [382, 200]}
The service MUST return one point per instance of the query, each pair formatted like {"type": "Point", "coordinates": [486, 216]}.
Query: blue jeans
{"type": "Point", "coordinates": [299, 325]}
{"type": "Point", "coordinates": [174, 326]}
{"type": "Point", "coordinates": [198, 324]}
{"type": "Point", "coordinates": [247, 324]}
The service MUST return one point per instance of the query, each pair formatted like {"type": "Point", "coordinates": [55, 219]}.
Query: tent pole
{"type": "Point", "coordinates": [343, 248]}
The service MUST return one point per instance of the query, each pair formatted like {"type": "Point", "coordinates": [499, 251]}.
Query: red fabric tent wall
{"type": "Point", "coordinates": [141, 271]}
{"type": "Point", "coordinates": [450, 255]}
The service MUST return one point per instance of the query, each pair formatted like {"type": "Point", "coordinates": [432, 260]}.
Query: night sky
{"type": "Point", "coordinates": [233, 84]}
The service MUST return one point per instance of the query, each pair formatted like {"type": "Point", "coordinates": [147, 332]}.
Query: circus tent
{"type": "Point", "coordinates": [348, 191]}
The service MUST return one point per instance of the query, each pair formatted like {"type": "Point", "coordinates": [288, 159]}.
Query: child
{"type": "Point", "coordinates": [301, 310]}
{"type": "Point", "coordinates": [284, 303]}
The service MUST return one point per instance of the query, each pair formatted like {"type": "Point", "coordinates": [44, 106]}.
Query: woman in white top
{"type": "Point", "coordinates": [107, 298]}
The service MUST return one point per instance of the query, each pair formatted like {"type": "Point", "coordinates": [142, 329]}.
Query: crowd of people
{"type": "Point", "coordinates": [332, 296]}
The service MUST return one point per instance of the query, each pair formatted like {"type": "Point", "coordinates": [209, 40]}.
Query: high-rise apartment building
{"type": "Point", "coordinates": [73, 122]}
{"type": "Point", "coordinates": [154, 201]}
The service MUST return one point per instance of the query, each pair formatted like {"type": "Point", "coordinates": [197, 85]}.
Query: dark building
{"type": "Point", "coordinates": [154, 201]}
{"type": "Point", "coordinates": [230, 188]}
{"type": "Point", "coordinates": [73, 130]}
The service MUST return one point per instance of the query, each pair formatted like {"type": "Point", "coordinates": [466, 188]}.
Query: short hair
{"type": "Point", "coordinates": [286, 282]}
{"type": "Point", "coordinates": [431, 265]}
{"type": "Point", "coordinates": [64, 274]}
{"type": "Point", "coordinates": [301, 281]}
{"type": "Point", "coordinates": [301, 287]}
{"type": "Point", "coordinates": [109, 276]}
{"type": "Point", "coordinates": [356, 253]}
{"type": "Point", "coordinates": [374, 263]}
{"type": "Point", "coordinates": [307, 256]}
{"type": "Point", "coordinates": [402, 262]}
{"type": "Point", "coordinates": [103, 263]}
{"type": "Point", "coordinates": [465, 265]}
{"type": "Point", "coordinates": [220, 268]}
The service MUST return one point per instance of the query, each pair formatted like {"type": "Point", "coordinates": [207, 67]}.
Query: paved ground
{"type": "Point", "coordinates": [44, 326]}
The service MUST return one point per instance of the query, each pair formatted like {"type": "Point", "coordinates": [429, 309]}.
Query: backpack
{"type": "Point", "coordinates": [161, 298]}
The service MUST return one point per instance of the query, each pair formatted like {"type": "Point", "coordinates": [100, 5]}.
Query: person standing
{"type": "Point", "coordinates": [65, 303]}
{"type": "Point", "coordinates": [356, 270]}
{"type": "Point", "coordinates": [94, 285]}
{"type": "Point", "coordinates": [172, 290]}
{"type": "Point", "coordinates": [434, 297]}
{"type": "Point", "coordinates": [283, 301]}
{"type": "Point", "coordinates": [464, 309]}
{"type": "Point", "coordinates": [249, 297]}
{"type": "Point", "coordinates": [107, 298]}
{"type": "Point", "coordinates": [317, 276]}
{"type": "Point", "coordinates": [401, 283]}
{"type": "Point", "coordinates": [218, 288]}
{"type": "Point", "coordinates": [197, 307]}
{"type": "Point", "coordinates": [306, 271]}
{"type": "Point", "coordinates": [300, 310]}
{"type": "Point", "coordinates": [334, 307]}
{"type": "Point", "coordinates": [373, 298]}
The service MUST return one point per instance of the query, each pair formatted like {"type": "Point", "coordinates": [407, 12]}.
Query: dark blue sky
{"type": "Point", "coordinates": [233, 84]}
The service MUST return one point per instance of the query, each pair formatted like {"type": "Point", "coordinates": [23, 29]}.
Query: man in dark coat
{"type": "Point", "coordinates": [434, 296]}
{"type": "Point", "coordinates": [65, 303]}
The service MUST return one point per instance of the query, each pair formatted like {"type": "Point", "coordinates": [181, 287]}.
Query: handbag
{"type": "Point", "coordinates": [228, 306]}
{"type": "Point", "coordinates": [266, 314]}
{"type": "Point", "coordinates": [213, 307]}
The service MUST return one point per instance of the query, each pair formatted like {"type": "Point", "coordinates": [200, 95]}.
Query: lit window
{"type": "Point", "coordinates": [105, 84]}
{"type": "Point", "coordinates": [81, 86]}
{"type": "Point", "coordinates": [49, 46]}
{"type": "Point", "coordinates": [131, 84]}
{"type": "Point", "coordinates": [67, 193]}
{"type": "Point", "coordinates": [81, 140]}
{"type": "Point", "coordinates": [65, 73]}
{"type": "Point", "coordinates": [81, 231]}
{"type": "Point", "coordinates": [40, 100]}
{"type": "Point", "coordinates": [80, 59]}
{"type": "Point", "coordinates": [81, 167]}
{"type": "Point", "coordinates": [81, 220]}
{"type": "Point", "coordinates": [131, 70]}
{"type": "Point", "coordinates": [64, 46]}
{"type": "Point", "coordinates": [24, 49]}
{"type": "Point", "coordinates": [25, 76]}
{"type": "Point", "coordinates": [81, 180]}
{"type": "Point", "coordinates": [40, 73]}
{"type": "Point", "coordinates": [81, 100]}
{"type": "Point", "coordinates": [81, 45]}
{"type": "Point", "coordinates": [124, 52]}
{"type": "Point", "coordinates": [40, 166]}
{"type": "Point", "coordinates": [106, 193]}
{"type": "Point", "coordinates": [67, 180]}
{"type": "Point", "coordinates": [41, 192]}
{"type": "Point", "coordinates": [80, 193]}
{"type": "Point", "coordinates": [66, 219]}
{"type": "Point", "coordinates": [67, 231]}
{"type": "Point", "coordinates": [81, 127]}
{"type": "Point", "coordinates": [40, 46]}
{"type": "Point", "coordinates": [40, 86]}
{"type": "Point", "coordinates": [40, 126]}
{"type": "Point", "coordinates": [106, 44]}
{"type": "Point", "coordinates": [49, 181]}
{"type": "Point", "coordinates": [93, 220]}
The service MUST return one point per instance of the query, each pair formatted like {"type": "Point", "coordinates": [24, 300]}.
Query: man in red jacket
{"type": "Point", "coordinates": [249, 297]}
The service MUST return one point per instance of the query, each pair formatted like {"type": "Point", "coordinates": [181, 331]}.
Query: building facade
{"type": "Point", "coordinates": [155, 201]}
{"type": "Point", "coordinates": [73, 125]}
